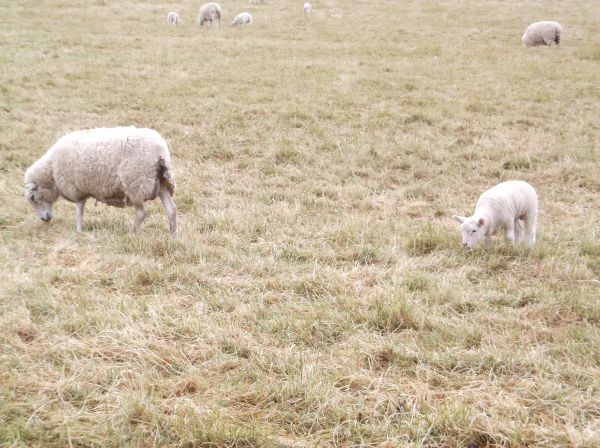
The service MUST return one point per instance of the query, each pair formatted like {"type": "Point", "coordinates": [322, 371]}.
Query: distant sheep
{"type": "Point", "coordinates": [500, 208]}
{"type": "Point", "coordinates": [118, 166]}
{"type": "Point", "coordinates": [210, 12]}
{"type": "Point", "coordinates": [243, 18]}
{"type": "Point", "coordinates": [542, 33]}
{"type": "Point", "coordinates": [256, 2]}
{"type": "Point", "coordinates": [173, 18]}
{"type": "Point", "coordinates": [307, 8]}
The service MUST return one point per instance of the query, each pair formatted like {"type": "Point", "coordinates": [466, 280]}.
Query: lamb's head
{"type": "Point", "coordinates": [472, 229]}
{"type": "Point", "coordinates": [41, 199]}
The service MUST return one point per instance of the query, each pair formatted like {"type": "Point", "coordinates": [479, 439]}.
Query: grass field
{"type": "Point", "coordinates": [317, 293]}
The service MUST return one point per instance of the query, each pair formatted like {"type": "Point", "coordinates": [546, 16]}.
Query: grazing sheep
{"type": "Point", "coordinates": [210, 12]}
{"type": "Point", "coordinates": [118, 166]}
{"type": "Point", "coordinates": [173, 18]}
{"type": "Point", "coordinates": [500, 208]}
{"type": "Point", "coordinates": [542, 33]}
{"type": "Point", "coordinates": [243, 18]}
{"type": "Point", "coordinates": [256, 2]}
{"type": "Point", "coordinates": [307, 8]}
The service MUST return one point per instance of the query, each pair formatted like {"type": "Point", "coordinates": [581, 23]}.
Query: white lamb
{"type": "Point", "coordinates": [307, 8]}
{"type": "Point", "coordinates": [118, 166]}
{"type": "Point", "coordinates": [173, 18]}
{"type": "Point", "coordinates": [243, 18]}
{"type": "Point", "coordinates": [500, 208]}
{"type": "Point", "coordinates": [542, 33]}
{"type": "Point", "coordinates": [210, 12]}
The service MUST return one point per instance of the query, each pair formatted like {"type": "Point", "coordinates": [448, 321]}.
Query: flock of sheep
{"type": "Point", "coordinates": [212, 12]}
{"type": "Point", "coordinates": [127, 166]}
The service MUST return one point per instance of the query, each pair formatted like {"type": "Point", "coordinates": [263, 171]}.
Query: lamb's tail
{"type": "Point", "coordinates": [165, 176]}
{"type": "Point", "coordinates": [557, 37]}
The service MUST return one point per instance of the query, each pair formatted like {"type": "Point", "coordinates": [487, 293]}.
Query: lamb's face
{"type": "Point", "coordinates": [41, 199]}
{"type": "Point", "coordinates": [472, 230]}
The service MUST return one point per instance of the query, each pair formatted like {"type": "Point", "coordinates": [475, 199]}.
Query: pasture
{"type": "Point", "coordinates": [317, 293]}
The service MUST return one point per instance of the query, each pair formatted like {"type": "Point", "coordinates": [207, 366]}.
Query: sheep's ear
{"type": "Point", "coordinates": [458, 219]}
{"type": "Point", "coordinates": [31, 186]}
{"type": "Point", "coordinates": [481, 222]}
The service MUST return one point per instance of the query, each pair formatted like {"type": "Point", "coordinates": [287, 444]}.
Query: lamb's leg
{"type": "Point", "coordinates": [79, 216]}
{"type": "Point", "coordinates": [170, 208]}
{"type": "Point", "coordinates": [529, 222]}
{"type": "Point", "coordinates": [518, 231]}
{"type": "Point", "coordinates": [510, 231]}
{"type": "Point", "coordinates": [140, 214]}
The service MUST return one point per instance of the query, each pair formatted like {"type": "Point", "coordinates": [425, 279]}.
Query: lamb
{"type": "Point", "coordinates": [500, 208]}
{"type": "Point", "coordinates": [307, 8]}
{"type": "Point", "coordinates": [118, 166]}
{"type": "Point", "coordinates": [243, 18]}
{"type": "Point", "coordinates": [209, 12]}
{"type": "Point", "coordinates": [173, 18]}
{"type": "Point", "coordinates": [542, 33]}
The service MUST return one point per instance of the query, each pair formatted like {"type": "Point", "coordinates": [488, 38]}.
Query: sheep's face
{"type": "Point", "coordinates": [41, 199]}
{"type": "Point", "coordinates": [472, 230]}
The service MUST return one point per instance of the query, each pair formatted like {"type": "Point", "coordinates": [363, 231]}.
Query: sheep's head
{"type": "Point", "coordinates": [41, 199]}
{"type": "Point", "coordinates": [472, 229]}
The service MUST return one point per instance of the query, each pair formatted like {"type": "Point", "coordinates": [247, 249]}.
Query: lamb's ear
{"type": "Point", "coordinates": [481, 222]}
{"type": "Point", "coordinates": [31, 186]}
{"type": "Point", "coordinates": [458, 219]}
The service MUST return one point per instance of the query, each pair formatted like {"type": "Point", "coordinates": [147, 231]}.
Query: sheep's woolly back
{"type": "Point", "coordinates": [243, 18]}
{"type": "Point", "coordinates": [118, 166]}
{"type": "Point", "coordinates": [209, 12]}
{"type": "Point", "coordinates": [542, 33]}
{"type": "Point", "coordinates": [507, 201]}
{"type": "Point", "coordinates": [173, 18]}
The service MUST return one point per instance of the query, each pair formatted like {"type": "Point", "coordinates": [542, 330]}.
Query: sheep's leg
{"type": "Point", "coordinates": [170, 208]}
{"type": "Point", "coordinates": [518, 231]}
{"type": "Point", "coordinates": [80, 205]}
{"type": "Point", "coordinates": [510, 231]}
{"type": "Point", "coordinates": [529, 224]}
{"type": "Point", "coordinates": [140, 214]}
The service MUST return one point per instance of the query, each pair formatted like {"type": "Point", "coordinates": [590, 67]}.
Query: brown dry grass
{"type": "Point", "coordinates": [317, 294]}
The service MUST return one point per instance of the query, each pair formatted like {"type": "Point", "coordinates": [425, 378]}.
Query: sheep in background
{"type": "Point", "coordinates": [500, 208]}
{"type": "Point", "coordinates": [243, 18]}
{"type": "Point", "coordinates": [256, 2]}
{"type": "Point", "coordinates": [118, 166]}
{"type": "Point", "coordinates": [173, 18]}
{"type": "Point", "coordinates": [542, 33]}
{"type": "Point", "coordinates": [210, 12]}
{"type": "Point", "coordinates": [307, 8]}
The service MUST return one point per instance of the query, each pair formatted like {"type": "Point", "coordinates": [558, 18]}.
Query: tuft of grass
{"type": "Point", "coordinates": [522, 162]}
{"type": "Point", "coordinates": [394, 314]}
{"type": "Point", "coordinates": [429, 239]}
{"type": "Point", "coordinates": [589, 52]}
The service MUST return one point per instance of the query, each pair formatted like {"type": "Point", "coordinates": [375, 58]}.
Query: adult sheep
{"type": "Point", "coordinates": [118, 166]}
{"type": "Point", "coordinates": [243, 18]}
{"type": "Point", "coordinates": [173, 18]}
{"type": "Point", "coordinates": [542, 33]}
{"type": "Point", "coordinates": [210, 12]}
{"type": "Point", "coordinates": [500, 208]}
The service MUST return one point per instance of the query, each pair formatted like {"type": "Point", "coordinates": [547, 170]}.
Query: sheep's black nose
{"type": "Point", "coordinates": [46, 218]}
{"type": "Point", "coordinates": [465, 245]}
